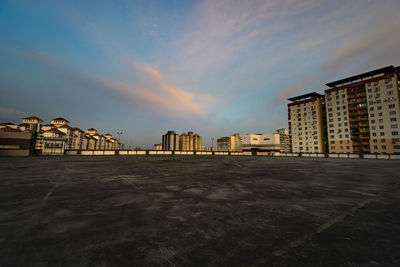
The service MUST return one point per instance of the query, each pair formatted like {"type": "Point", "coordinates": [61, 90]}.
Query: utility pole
{"type": "Point", "coordinates": [119, 139]}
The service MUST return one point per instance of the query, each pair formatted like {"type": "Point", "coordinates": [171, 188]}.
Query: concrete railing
{"type": "Point", "coordinates": [224, 153]}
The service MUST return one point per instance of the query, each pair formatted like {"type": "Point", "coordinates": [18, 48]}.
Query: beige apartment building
{"type": "Point", "coordinates": [57, 137]}
{"type": "Point", "coordinates": [260, 143]}
{"type": "Point", "coordinates": [363, 113]}
{"type": "Point", "coordinates": [170, 141]}
{"type": "Point", "coordinates": [284, 140]}
{"type": "Point", "coordinates": [189, 142]}
{"type": "Point", "coordinates": [231, 143]}
{"type": "Point", "coordinates": [306, 123]}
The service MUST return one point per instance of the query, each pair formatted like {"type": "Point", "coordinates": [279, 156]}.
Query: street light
{"type": "Point", "coordinates": [212, 144]}
{"type": "Point", "coordinates": [119, 138]}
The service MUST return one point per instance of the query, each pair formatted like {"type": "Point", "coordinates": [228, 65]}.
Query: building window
{"type": "Point", "coordinates": [392, 112]}
{"type": "Point", "coordinates": [392, 105]}
{"type": "Point", "coordinates": [383, 147]}
{"type": "Point", "coordinates": [393, 119]}
{"type": "Point", "coordinates": [379, 107]}
{"type": "Point", "coordinates": [395, 133]}
{"type": "Point", "coordinates": [381, 127]}
{"type": "Point", "coordinates": [382, 134]}
{"type": "Point", "coordinates": [380, 114]}
{"type": "Point", "coordinates": [393, 126]}
{"type": "Point", "coordinates": [380, 120]}
{"type": "Point", "coordinates": [375, 147]}
{"type": "Point", "coordinates": [371, 109]}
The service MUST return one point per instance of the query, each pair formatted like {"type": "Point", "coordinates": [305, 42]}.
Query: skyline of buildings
{"type": "Point", "coordinates": [53, 138]}
{"type": "Point", "coordinates": [184, 142]}
{"type": "Point", "coordinates": [357, 114]}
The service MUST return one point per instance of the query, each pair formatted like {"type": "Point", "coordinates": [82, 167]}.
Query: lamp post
{"type": "Point", "coordinates": [119, 139]}
{"type": "Point", "coordinates": [212, 144]}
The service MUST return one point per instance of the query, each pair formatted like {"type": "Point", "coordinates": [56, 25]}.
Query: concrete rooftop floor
{"type": "Point", "coordinates": [199, 211]}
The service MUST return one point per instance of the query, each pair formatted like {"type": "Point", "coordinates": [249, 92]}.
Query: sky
{"type": "Point", "coordinates": [212, 67]}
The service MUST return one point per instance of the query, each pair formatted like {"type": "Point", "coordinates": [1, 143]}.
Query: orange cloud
{"type": "Point", "coordinates": [153, 92]}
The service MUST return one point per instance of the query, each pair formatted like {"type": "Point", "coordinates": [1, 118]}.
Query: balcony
{"type": "Point", "coordinates": [360, 94]}
{"type": "Point", "coordinates": [351, 96]}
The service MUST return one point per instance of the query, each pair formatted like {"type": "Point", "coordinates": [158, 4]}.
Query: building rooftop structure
{"type": "Point", "coordinates": [60, 119]}
{"type": "Point", "coordinates": [77, 129]}
{"type": "Point", "coordinates": [362, 76]}
{"type": "Point", "coordinates": [9, 129]}
{"type": "Point", "coordinates": [54, 130]}
{"type": "Point", "coordinates": [304, 97]}
{"type": "Point", "coordinates": [32, 118]}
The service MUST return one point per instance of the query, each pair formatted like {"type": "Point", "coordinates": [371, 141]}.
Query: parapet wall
{"type": "Point", "coordinates": [220, 153]}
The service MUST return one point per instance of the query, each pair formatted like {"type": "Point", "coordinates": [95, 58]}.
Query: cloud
{"type": "Point", "coordinates": [294, 88]}
{"type": "Point", "coordinates": [153, 92]}
{"type": "Point", "coordinates": [224, 31]}
{"type": "Point", "coordinates": [375, 47]}
{"type": "Point", "coordinates": [361, 41]}
{"type": "Point", "coordinates": [6, 112]}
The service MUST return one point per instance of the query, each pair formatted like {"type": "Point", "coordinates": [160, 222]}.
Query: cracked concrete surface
{"type": "Point", "coordinates": [199, 211]}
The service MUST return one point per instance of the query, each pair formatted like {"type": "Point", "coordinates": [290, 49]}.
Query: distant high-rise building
{"type": "Point", "coordinates": [190, 142]}
{"type": "Point", "coordinates": [307, 123]}
{"type": "Point", "coordinates": [170, 141]}
{"type": "Point", "coordinates": [223, 144]}
{"type": "Point", "coordinates": [157, 147]}
{"type": "Point", "coordinates": [231, 143]}
{"type": "Point", "coordinates": [184, 142]}
{"type": "Point", "coordinates": [284, 140]}
{"type": "Point", "coordinates": [197, 142]}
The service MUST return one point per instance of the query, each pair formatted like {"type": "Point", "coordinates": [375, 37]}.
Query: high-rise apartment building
{"type": "Point", "coordinates": [363, 113]}
{"type": "Point", "coordinates": [190, 142]}
{"type": "Point", "coordinates": [231, 143]}
{"type": "Point", "coordinates": [170, 141]}
{"type": "Point", "coordinates": [284, 140]}
{"type": "Point", "coordinates": [306, 117]}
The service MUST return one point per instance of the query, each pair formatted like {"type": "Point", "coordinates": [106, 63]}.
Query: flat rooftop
{"type": "Point", "coordinates": [304, 97]}
{"type": "Point", "coordinates": [365, 75]}
{"type": "Point", "coordinates": [199, 211]}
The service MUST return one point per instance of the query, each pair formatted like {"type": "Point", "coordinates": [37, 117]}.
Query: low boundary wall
{"type": "Point", "coordinates": [225, 153]}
